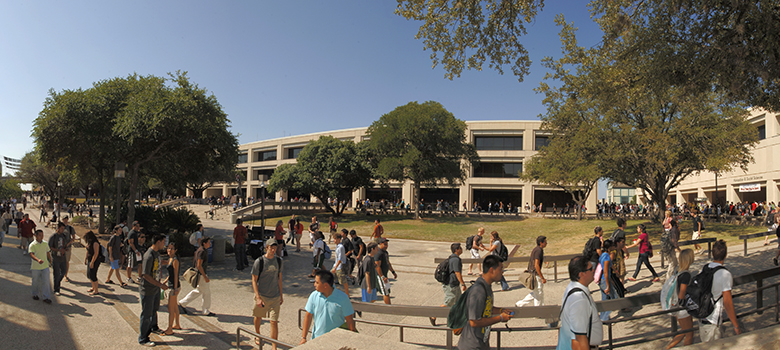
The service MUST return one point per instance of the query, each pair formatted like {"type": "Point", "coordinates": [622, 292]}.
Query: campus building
{"type": "Point", "coordinates": [502, 146]}
{"type": "Point", "coordinates": [760, 183]}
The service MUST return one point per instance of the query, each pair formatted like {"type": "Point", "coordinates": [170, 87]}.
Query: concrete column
{"type": "Point", "coordinates": [465, 195]}
{"type": "Point", "coordinates": [407, 192]}
{"type": "Point", "coordinates": [225, 190]}
{"type": "Point", "coordinates": [772, 192]}
{"type": "Point", "coordinates": [528, 193]}
{"type": "Point", "coordinates": [731, 194]}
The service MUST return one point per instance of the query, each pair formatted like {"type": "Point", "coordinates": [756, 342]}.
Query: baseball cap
{"type": "Point", "coordinates": [383, 240]}
{"type": "Point", "coordinates": [270, 242]}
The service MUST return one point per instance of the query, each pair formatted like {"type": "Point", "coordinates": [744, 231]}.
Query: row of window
{"type": "Point", "coordinates": [508, 143]}
{"type": "Point", "coordinates": [504, 170]}
{"type": "Point", "coordinates": [483, 143]}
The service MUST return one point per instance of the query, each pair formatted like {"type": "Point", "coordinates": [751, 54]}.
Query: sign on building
{"type": "Point", "coordinates": [750, 188]}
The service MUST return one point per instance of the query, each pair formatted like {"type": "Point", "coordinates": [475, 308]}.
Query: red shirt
{"type": "Point", "coordinates": [644, 247]}
{"type": "Point", "coordinates": [27, 226]}
{"type": "Point", "coordinates": [239, 234]}
{"type": "Point", "coordinates": [278, 233]}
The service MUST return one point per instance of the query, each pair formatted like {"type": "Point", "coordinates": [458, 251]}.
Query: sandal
{"type": "Point", "coordinates": [89, 291]}
{"type": "Point", "coordinates": [94, 293]}
{"type": "Point", "coordinates": [179, 328]}
{"type": "Point", "coordinates": [109, 282]}
{"type": "Point", "coordinates": [166, 333]}
{"type": "Point", "coordinates": [124, 285]}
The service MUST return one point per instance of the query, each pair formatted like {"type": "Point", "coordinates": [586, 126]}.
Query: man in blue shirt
{"type": "Point", "coordinates": [329, 308]}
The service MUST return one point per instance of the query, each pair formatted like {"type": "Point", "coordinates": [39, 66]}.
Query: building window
{"type": "Point", "coordinates": [541, 141]}
{"type": "Point", "coordinates": [267, 172]}
{"type": "Point", "coordinates": [263, 156]}
{"type": "Point", "coordinates": [242, 158]}
{"type": "Point", "coordinates": [498, 169]}
{"type": "Point", "coordinates": [762, 132]}
{"type": "Point", "coordinates": [499, 143]}
{"type": "Point", "coordinates": [292, 153]}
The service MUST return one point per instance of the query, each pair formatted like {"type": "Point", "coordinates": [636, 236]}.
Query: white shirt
{"type": "Point", "coordinates": [575, 320]}
{"type": "Point", "coordinates": [319, 246]}
{"type": "Point", "coordinates": [340, 256]}
{"type": "Point", "coordinates": [721, 282]}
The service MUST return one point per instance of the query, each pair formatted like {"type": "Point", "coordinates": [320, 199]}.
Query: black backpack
{"type": "Point", "coordinates": [587, 252]}
{"type": "Point", "coordinates": [698, 296]}
{"type": "Point", "coordinates": [503, 252]}
{"type": "Point", "coordinates": [442, 273]}
{"type": "Point", "coordinates": [470, 242]}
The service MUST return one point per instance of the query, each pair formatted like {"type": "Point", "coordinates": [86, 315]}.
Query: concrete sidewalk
{"type": "Point", "coordinates": [78, 321]}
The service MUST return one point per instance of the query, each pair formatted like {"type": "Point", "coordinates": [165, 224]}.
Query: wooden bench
{"type": "Point", "coordinates": [745, 238]}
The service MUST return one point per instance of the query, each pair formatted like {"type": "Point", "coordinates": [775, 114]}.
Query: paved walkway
{"type": "Point", "coordinates": [78, 321]}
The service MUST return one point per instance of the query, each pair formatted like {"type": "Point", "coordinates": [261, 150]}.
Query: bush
{"type": "Point", "coordinates": [80, 220]}
{"type": "Point", "coordinates": [228, 248]}
{"type": "Point", "coordinates": [182, 242]}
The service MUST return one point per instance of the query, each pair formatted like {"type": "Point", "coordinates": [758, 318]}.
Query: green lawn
{"type": "Point", "coordinates": [564, 236]}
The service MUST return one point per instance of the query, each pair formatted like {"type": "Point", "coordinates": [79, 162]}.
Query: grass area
{"type": "Point", "coordinates": [563, 236]}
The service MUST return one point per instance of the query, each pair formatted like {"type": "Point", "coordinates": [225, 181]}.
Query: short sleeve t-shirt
{"type": "Point", "coordinates": [151, 267]}
{"type": "Point", "coordinates": [619, 233]}
{"type": "Point", "coordinates": [201, 254]}
{"type": "Point", "coordinates": [579, 315]}
{"type": "Point", "coordinates": [644, 247]}
{"type": "Point", "coordinates": [602, 259]}
{"type": "Point", "coordinates": [369, 268]}
{"type": "Point", "coordinates": [115, 244]}
{"type": "Point", "coordinates": [268, 279]}
{"type": "Point", "coordinates": [696, 223]}
{"type": "Point", "coordinates": [683, 278]}
{"type": "Point", "coordinates": [318, 247]}
{"type": "Point", "coordinates": [382, 257]}
{"type": "Point", "coordinates": [132, 239]}
{"type": "Point", "coordinates": [357, 242]}
{"type": "Point", "coordinates": [341, 256]}
{"type": "Point", "coordinates": [477, 241]}
{"type": "Point", "coordinates": [593, 245]}
{"type": "Point", "coordinates": [39, 250]}
{"type": "Point", "coordinates": [239, 234]}
{"type": "Point", "coordinates": [722, 281]}
{"type": "Point", "coordinates": [329, 312]}
{"type": "Point", "coordinates": [478, 305]}
{"type": "Point", "coordinates": [456, 265]}
{"type": "Point", "coordinates": [536, 253]}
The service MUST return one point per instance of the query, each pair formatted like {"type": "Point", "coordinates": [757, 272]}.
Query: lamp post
{"type": "Point", "coordinates": [262, 203]}
{"type": "Point", "coordinates": [119, 174]}
{"type": "Point", "coordinates": [58, 201]}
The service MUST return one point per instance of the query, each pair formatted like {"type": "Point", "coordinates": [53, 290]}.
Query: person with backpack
{"type": "Point", "coordinates": [620, 244]}
{"type": "Point", "coordinates": [722, 281]}
{"type": "Point", "coordinates": [677, 286]}
{"type": "Point", "coordinates": [498, 249]}
{"type": "Point", "coordinates": [367, 274]}
{"type": "Point", "coordinates": [535, 267]}
{"type": "Point", "coordinates": [581, 328]}
{"type": "Point", "coordinates": [480, 307]}
{"type": "Point", "coordinates": [592, 250]}
{"type": "Point", "coordinates": [452, 284]}
{"type": "Point", "coordinates": [341, 266]}
{"type": "Point", "coordinates": [474, 244]}
{"type": "Point", "coordinates": [267, 287]}
{"type": "Point", "coordinates": [93, 260]}
{"type": "Point", "coordinates": [383, 266]}
{"type": "Point", "coordinates": [318, 252]}
{"type": "Point", "coordinates": [603, 275]}
{"type": "Point", "coordinates": [645, 253]}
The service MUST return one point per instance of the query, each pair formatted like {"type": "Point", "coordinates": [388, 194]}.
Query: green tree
{"type": "Point", "coordinates": [731, 46]}
{"type": "Point", "coordinates": [33, 170]}
{"type": "Point", "coordinates": [325, 168]}
{"type": "Point", "coordinates": [423, 143]}
{"type": "Point", "coordinates": [9, 188]}
{"type": "Point", "coordinates": [160, 131]}
{"type": "Point", "coordinates": [654, 135]}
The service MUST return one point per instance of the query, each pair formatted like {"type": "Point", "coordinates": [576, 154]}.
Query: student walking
{"type": "Point", "coordinates": [581, 328]}
{"type": "Point", "coordinates": [722, 281]}
{"type": "Point", "coordinates": [174, 286]}
{"type": "Point", "coordinates": [150, 291]}
{"type": "Point", "coordinates": [480, 307]}
{"type": "Point", "coordinates": [683, 318]}
{"type": "Point", "coordinates": [267, 288]}
{"type": "Point", "coordinates": [454, 285]}
{"type": "Point", "coordinates": [203, 288]}
{"type": "Point", "coordinates": [327, 308]}
{"type": "Point", "coordinates": [535, 267]}
{"type": "Point", "coordinates": [644, 253]}
{"type": "Point", "coordinates": [39, 250]}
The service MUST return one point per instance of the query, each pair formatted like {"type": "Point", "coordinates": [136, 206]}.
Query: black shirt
{"type": "Point", "coordinates": [382, 257]}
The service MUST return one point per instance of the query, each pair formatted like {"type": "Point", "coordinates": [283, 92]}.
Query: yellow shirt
{"type": "Point", "coordinates": [39, 250]}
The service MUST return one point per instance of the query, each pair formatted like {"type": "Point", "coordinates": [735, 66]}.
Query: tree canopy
{"type": "Point", "coordinates": [423, 143]}
{"type": "Point", "coordinates": [732, 46]}
{"type": "Point", "coordinates": [173, 133]}
{"type": "Point", "coordinates": [325, 168]}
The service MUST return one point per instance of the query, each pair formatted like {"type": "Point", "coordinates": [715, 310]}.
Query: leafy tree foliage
{"type": "Point", "coordinates": [173, 133]}
{"type": "Point", "coordinates": [34, 170]}
{"type": "Point", "coordinates": [732, 46]}
{"type": "Point", "coordinates": [9, 188]}
{"type": "Point", "coordinates": [325, 168]}
{"type": "Point", "coordinates": [469, 32]}
{"type": "Point", "coordinates": [423, 143]}
{"type": "Point", "coordinates": [654, 135]}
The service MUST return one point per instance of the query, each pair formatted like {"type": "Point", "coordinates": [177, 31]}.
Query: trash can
{"type": "Point", "coordinates": [217, 250]}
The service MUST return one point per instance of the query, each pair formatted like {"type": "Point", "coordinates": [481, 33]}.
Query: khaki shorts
{"type": "Point", "coordinates": [270, 310]}
{"type": "Point", "coordinates": [341, 277]}
{"type": "Point", "coordinates": [67, 254]}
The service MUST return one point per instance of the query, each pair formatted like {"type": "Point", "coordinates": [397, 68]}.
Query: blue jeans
{"type": "Point", "coordinates": [504, 285]}
{"type": "Point", "coordinates": [240, 250]}
{"type": "Point", "coordinates": [60, 267]}
{"type": "Point", "coordinates": [604, 316]}
{"type": "Point", "coordinates": [40, 284]}
{"type": "Point", "coordinates": [150, 303]}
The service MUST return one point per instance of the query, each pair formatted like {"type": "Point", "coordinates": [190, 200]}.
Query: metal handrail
{"type": "Point", "coordinates": [262, 338]}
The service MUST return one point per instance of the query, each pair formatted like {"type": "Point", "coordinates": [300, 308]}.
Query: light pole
{"type": "Point", "coordinates": [58, 201]}
{"type": "Point", "coordinates": [262, 203]}
{"type": "Point", "coordinates": [119, 174]}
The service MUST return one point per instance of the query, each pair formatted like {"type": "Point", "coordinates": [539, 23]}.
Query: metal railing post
{"type": "Point", "coordinates": [555, 268]}
{"type": "Point", "coordinates": [759, 295]}
{"type": "Point", "coordinates": [610, 335]}
{"type": "Point", "coordinates": [401, 329]}
{"type": "Point", "coordinates": [449, 340]}
{"type": "Point", "coordinates": [498, 340]}
{"type": "Point", "coordinates": [674, 323]}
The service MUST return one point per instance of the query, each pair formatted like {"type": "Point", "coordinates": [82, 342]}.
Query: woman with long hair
{"type": "Point", "coordinates": [173, 289]}
{"type": "Point", "coordinates": [93, 251]}
{"type": "Point", "coordinates": [605, 283]}
{"type": "Point", "coordinates": [644, 253]}
{"type": "Point", "coordinates": [495, 246]}
{"type": "Point", "coordinates": [683, 318]}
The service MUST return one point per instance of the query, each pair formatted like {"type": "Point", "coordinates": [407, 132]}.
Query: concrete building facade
{"type": "Point", "coordinates": [502, 146]}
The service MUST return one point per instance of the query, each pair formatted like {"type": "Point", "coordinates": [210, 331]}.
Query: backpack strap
{"type": "Point", "coordinates": [590, 315]}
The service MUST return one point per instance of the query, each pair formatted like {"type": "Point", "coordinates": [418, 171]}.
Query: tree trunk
{"type": "Point", "coordinates": [131, 196]}
{"type": "Point", "coordinates": [416, 200]}
{"type": "Point", "coordinates": [102, 210]}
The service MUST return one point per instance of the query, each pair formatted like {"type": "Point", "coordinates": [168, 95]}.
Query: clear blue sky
{"type": "Point", "coordinates": [277, 67]}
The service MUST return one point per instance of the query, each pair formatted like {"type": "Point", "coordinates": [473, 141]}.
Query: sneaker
{"type": "Point", "coordinates": [57, 293]}
{"type": "Point", "coordinates": [210, 314]}
{"type": "Point", "coordinates": [148, 344]}
{"type": "Point", "coordinates": [47, 301]}
{"type": "Point", "coordinates": [35, 297]}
